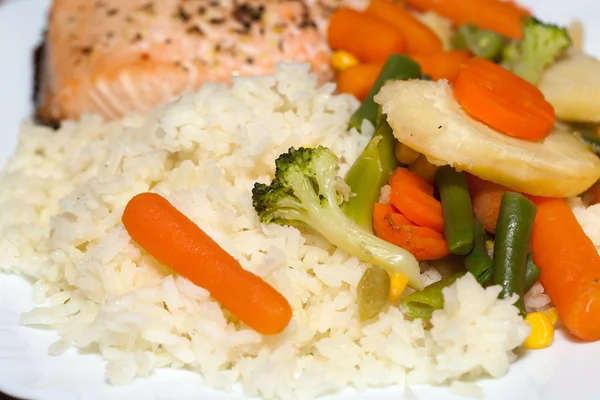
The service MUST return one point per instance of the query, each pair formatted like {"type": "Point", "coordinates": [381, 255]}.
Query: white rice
{"type": "Point", "coordinates": [62, 196]}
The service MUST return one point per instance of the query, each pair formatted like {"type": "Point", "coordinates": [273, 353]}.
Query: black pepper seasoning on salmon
{"type": "Point", "coordinates": [148, 8]}
{"type": "Point", "coordinates": [182, 14]}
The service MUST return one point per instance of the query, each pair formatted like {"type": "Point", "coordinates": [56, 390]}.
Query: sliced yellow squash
{"type": "Point", "coordinates": [426, 117]}
{"type": "Point", "coordinates": [572, 86]}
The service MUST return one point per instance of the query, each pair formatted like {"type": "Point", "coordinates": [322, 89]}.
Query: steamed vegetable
{"type": "Point", "coordinates": [481, 42]}
{"type": "Point", "coordinates": [511, 245]}
{"type": "Point", "coordinates": [418, 206]}
{"type": "Point", "coordinates": [397, 67]}
{"type": "Point", "coordinates": [486, 197]}
{"type": "Point", "coordinates": [542, 44]}
{"type": "Point", "coordinates": [542, 331]}
{"type": "Point", "coordinates": [570, 267]}
{"type": "Point", "coordinates": [342, 60]}
{"type": "Point", "coordinates": [422, 242]}
{"type": "Point", "coordinates": [397, 285]}
{"type": "Point", "coordinates": [457, 209]}
{"type": "Point", "coordinates": [532, 273]}
{"type": "Point", "coordinates": [173, 239]}
{"type": "Point", "coordinates": [419, 38]}
{"type": "Point", "coordinates": [422, 304]}
{"type": "Point", "coordinates": [502, 100]}
{"type": "Point", "coordinates": [478, 262]}
{"type": "Point", "coordinates": [373, 292]}
{"type": "Point", "coordinates": [358, 79]}
{"type": "Point", "coordinates": [442, 65]}
{"type": "Point", "coordinates": [369, 174]}
{"type": "Point", "coordinates": [307, 192]}
{"type": "Point", "coordinates": [572, 85]}
{"type": "Point", "coordinates": [499, 16]}
{"type": "Point", "coordinates": [367, 38]}
{"type": "Point", "coordinates": [426, 117]}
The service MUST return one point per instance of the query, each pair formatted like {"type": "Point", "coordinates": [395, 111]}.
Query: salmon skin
{"type": "Point", "coordinates": [112, 57]}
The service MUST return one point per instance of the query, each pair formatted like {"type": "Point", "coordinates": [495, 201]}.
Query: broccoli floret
{"type": "Point", "coordinates": [307, 192]}
{"type": "Point", "coordinates": [540, 46]}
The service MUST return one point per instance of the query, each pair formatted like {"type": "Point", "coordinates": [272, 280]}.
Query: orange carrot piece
{"type": "Point", "coordinates": [498, 16]}
{"type": "Point", "coordinates": [401, 176]}
{"type": "Point", "coordinates": [570, 267]}
{"type": "Point", "coordinates": [424, 243]}
{"type": "Point", "coordinates": [502, 100]}
{"type": "Point", "coordinates": [594, 194]}
{"type": "Point", "coordinates": [359, 79]}
{"type": "Point", "coordinates": [173, 239]}
{"type": "Point", "coordinates": [368, 38]}
{"type": "Point", "coordinates": [518, 8]}
{"type": "Point", "coordinates": [420, 39]}
{"type": "Point", "coordinates": [419, 207]}
{"type": "Point", "coordinates": [444, 65]}
{"type": "Point", "coordinates": [486, 198]}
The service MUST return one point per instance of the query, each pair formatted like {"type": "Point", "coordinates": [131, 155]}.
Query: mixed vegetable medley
{"type": "Point", "coordinates": [468, 170]}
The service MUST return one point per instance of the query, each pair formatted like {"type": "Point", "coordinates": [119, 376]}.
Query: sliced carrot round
{"type": "Point", "coordinates": [502, 100]}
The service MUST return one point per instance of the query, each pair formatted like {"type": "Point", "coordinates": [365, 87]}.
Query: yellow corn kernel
{"type": "Point", "coordinates": [552, 314]}
{"type": "Point", "coordinates": [341, 60]}
{"type": "Point", "coordinates": [397, 286]}
{"type": "Point", "coordinates": [423, 168]}
{"type": "Point", "coordinates": [405, 155]}
{"type": "Point", "coordinates": [542, 331]}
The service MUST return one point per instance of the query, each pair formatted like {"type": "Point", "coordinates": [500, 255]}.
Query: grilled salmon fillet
{"type": "Point", "coordinates": [111, 57]}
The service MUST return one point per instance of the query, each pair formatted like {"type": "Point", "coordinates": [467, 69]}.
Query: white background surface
{"type": "Point", "coordinates": [567, 370]}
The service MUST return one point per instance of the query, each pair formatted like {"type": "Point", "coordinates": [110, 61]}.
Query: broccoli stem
{"type": "Point", "coordinates": [345, 234]}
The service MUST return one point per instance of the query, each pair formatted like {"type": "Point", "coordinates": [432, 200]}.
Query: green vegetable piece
{"type": "Point", "coordinates": [369, 174]}
{"type": "Point", "coordinates": [397, 67]}
{"type": "Point", "coordinates": [307, 192]}
{"type": "Point", "coordinates": [478, 262]}
{"type": "Point", "coordinates": [483, 43]}
{"type": "Point", "coordinates": [542, 44]}
{"type": "Point", "coordinates": [511, 247]}
{"type": "Point", "coordinates": [422, 304]}
{"type": "Point", "coordinates": [589, 134]}
{"type": "Point", "coordinates": [449, 265]}
{"type": "Point", "coordinates": [532, 273]}
{"type": "Point", "coordinates": [457, 209]}
{"type": "Point", "coordinates": [373, 292]}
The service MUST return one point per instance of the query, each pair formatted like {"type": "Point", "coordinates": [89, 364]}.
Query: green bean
{"type": "Point", "coordinates": [483, 43]}
{"type": "Point", "coordinates": [511, 247]}
{"type": "Point", "coordinates": [449, 265]}
{"type": "Point", "coordinates": [373, 292]}
{"type": "Point", "coordinates": [478, 262]}
{"type": "Point", "coordinates": [369, 174]}
{"type": "Point", "coordinates": [422, 304]}
{"type": "Point", "coordinates": [532, 273]}
{"type": "Point", "coordinates": [589, 134]}
{"type": "Point", "coordinates": [397, 67]}
{"type": "Point", "coordinates": [457, 209]}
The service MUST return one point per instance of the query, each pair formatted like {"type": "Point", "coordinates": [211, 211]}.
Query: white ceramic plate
{"type": "Point", "coordinates": [567, 370]}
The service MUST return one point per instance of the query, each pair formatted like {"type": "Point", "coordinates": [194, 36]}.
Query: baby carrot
{"type": "Point", "coordinates": [359, 79]}
{"type": "Point", "coordinates": [424, 243]}
{"type": "Point", "coordinates": [570, 267]}
{"type": "Point", "coordinates": [173, 239]}
{"type": "Point", "coordinates": [502, 100]}
{"type": "Point", "coordinates": [486, 198]}
{"type": "Point", "coordinates": [368, 38]}
{"type": "Point", "coordinates": [499, 16]}
{"type": "Point", "coordinates": [420, 39]}
{"type": "Point", "coordinates": [442, 65]}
